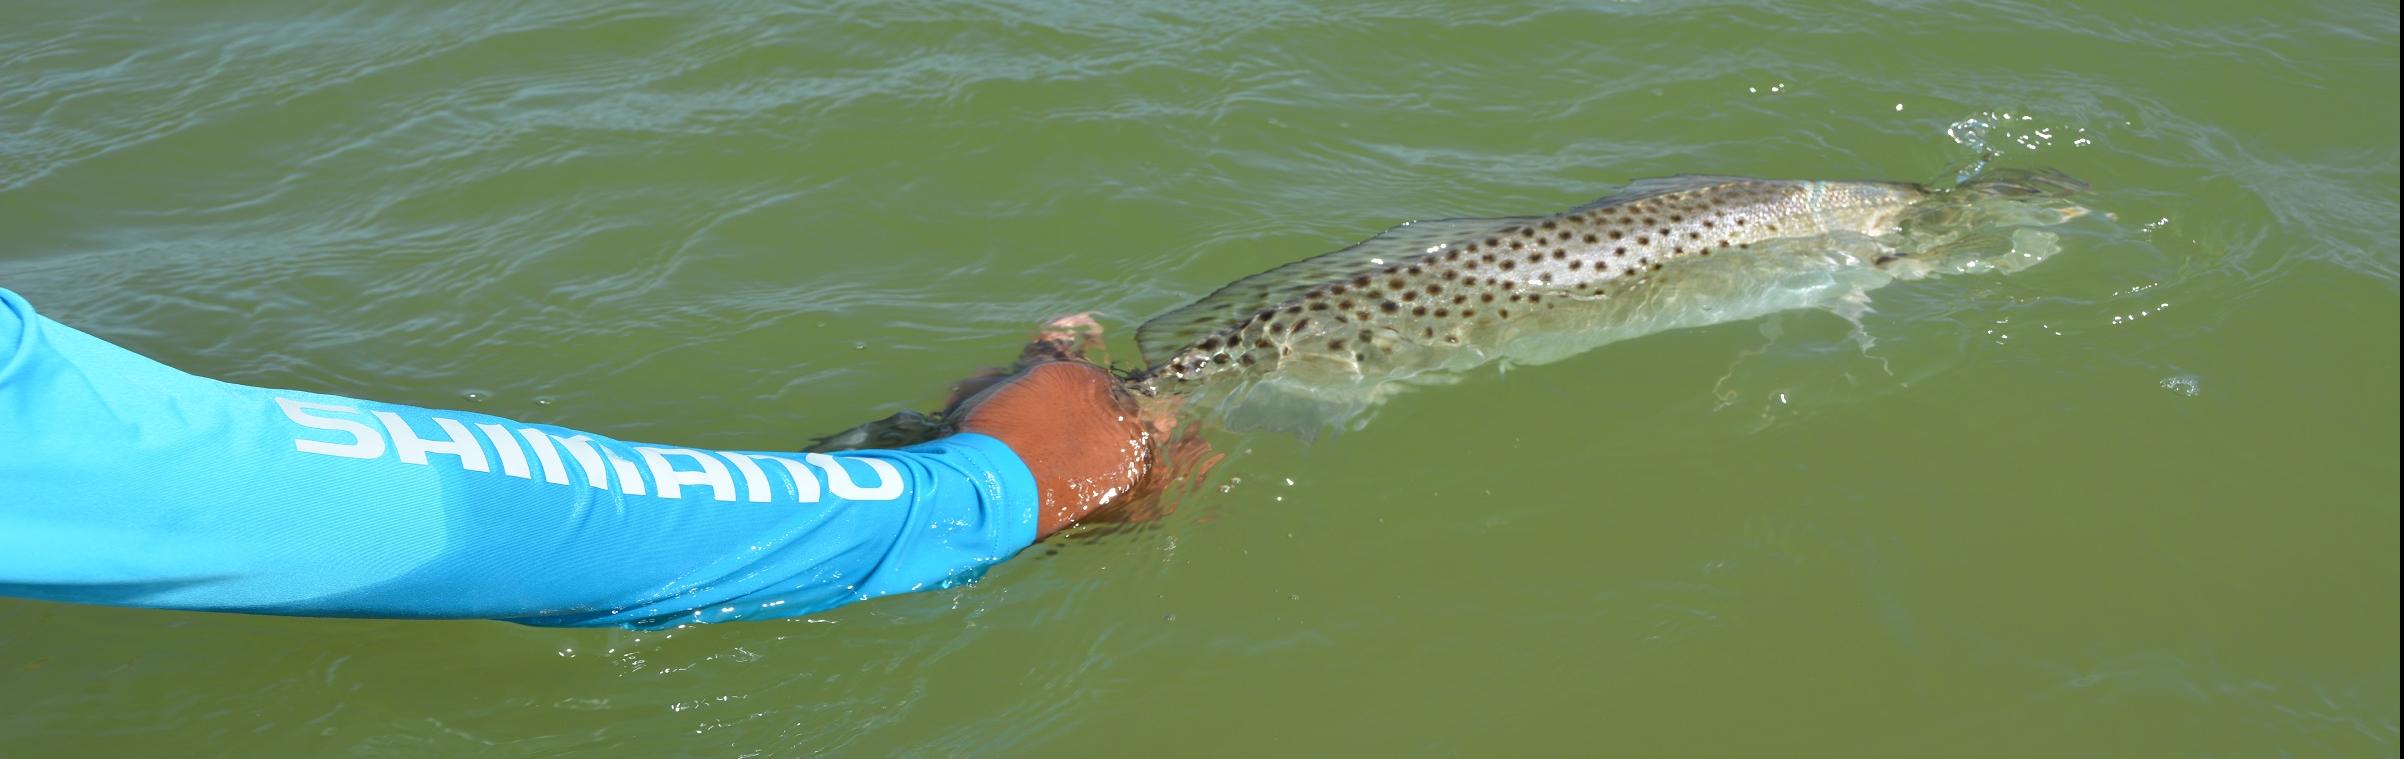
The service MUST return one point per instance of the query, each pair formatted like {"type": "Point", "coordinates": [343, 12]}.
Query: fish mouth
{"type": "Point", "coordinates": [1993, 222]}
{"type": "Point", "coordinates": [2025, 183]}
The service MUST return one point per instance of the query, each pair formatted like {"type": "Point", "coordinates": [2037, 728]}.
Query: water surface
{"type": "Point", "coordinates": [2138, 501]}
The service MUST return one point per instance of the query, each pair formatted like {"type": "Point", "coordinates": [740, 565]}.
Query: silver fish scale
{"type": "Point", "coordinates": [1466, 291]}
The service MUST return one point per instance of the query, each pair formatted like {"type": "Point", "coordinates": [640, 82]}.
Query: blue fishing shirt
{"type": "Point", "coordinates": [124, 481]}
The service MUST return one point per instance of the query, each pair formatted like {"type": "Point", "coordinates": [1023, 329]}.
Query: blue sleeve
{"type": "Point", "coordinates": [124, 481]}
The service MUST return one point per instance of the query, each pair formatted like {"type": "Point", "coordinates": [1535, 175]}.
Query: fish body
{"type": "Point", "coordinates": [1320, 341]}
{"type": "Point", "coordinates": [1429, 298]}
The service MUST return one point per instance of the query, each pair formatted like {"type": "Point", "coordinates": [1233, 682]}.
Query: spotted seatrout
{"type": "Point", "coordinates": [1319, 341]}
{"type": "Point", "coordinates": [1428, 298]}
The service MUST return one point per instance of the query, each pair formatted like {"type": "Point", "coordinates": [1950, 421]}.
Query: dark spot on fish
{"type": "Point", "coordinates": [1644, 241]}
{"type": "Point", "coordinates": [1509, 265]}
{"type": "Point", "coordinates": [1419, 311]}
{"type": "Point", "coordinates": [1220, 358]}
{"type": "Point", "coordinates": [1707, 223]}
{"type": "Point", "coordinates": [1293, 309]}
{"type": "Point", "coordinates": [1365, 335]}
{"type": "Point", "coordinates": [1577, 264]}
{"type": "Point", "coordinates": [1389, 306]}
{"type": "Point", "coordinates": [1245, 359]}
{"type": "Point", "coordinates": [1443, 312]}
{"type": "Point", "coordinates": [1548, 224]}
{"type": "Point", "coordinates": [1620, 251]}
{"type": "Point", "coordinates": [1360, 281]}
{"type": "Point", "coordinates": [1675, 218]}
{"type": "Point", "coordinates": [1434, 289]}
{"type": "Point", "coordinates": [1694, 235]}
{"type": "Point", "coordinates": [1428, 332]}
{"type": "Point", "coordinates": [1410, 295]}
{"type": "Point", "coordinates": [1883, 260]}
{"type": "Point", "coordinates": [1357, 357]}
{"type": "Point", "coordinates": [1344, 304]}
{"type": "Point", "coordinates": [1488, 258]}
{"type": "Point", "coordinates": [1338, 289]}
{"type": "Point", "coordinates": [1394, 284]}
{"type": "Point", "coordinates": [1559, 253]}
{"type": "Point", "coordinates": [1650, 221]}
{"type": "Point", "coordinates": [1335, 345]}
{"type": "Point", "coordinates": [1503, 312]}
{"type": "Point", "coordinates": [1459, 299]}
{"type": "Point", "coordinates": [1297, 326]}
{"type": "Point", "coordinates": [1515, 244]}
{"type": "Point", "coordinates": [1485, 297]}
{"type": "Point", "coordinates": [1656, 267]}
{"type": "Point", "coordinates": [1260, 343]}
{"type": "Point", "coordinates": [1590, 239]}
{"type": "Point", "coordinates": [1414, 271]}
{"type": "Point", "coordinates": [1491, 241]}
{"type": "Point", "coordinates": [1514, 297]}
{"type": "Point", "coordinates": [1740, 221]}
{"type": "Point", "coordinates": [1527, 232]}
{"type": "Point", "coordinates": [1209, 343]}
{"type": "Point", "coordinates": [1616, 234]}
{"type": "Point", "coordinates": [1319, 306]}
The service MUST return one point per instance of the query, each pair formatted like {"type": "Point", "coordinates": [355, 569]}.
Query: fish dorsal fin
{"type": "Point", "coordinates": [1658, 186]}
{"type": "Point", "coordinates": [1166, 333]}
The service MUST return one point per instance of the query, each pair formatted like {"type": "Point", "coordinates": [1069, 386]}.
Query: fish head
{"type": "Point", "coordinates": [1995, 222]}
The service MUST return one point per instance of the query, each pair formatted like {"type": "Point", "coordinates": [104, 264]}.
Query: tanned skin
{"type": "Point", "coordinates": [1094, 450]}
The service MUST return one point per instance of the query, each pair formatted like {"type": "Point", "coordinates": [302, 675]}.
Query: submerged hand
{"type": "Point", "coordinates": [1094, 450]}
{"type": "Point", "coordinates": [1084, 441]}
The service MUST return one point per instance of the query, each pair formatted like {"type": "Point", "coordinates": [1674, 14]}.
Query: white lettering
{"type": "Point", "coordinates": [365, 443]}
{"type": "Point", "coordinates": [805, 484]}
{"type": "Point", "coordinates": [513, 458]}
{"type": "Point", "coordinates": [838, 480]}
{"type": "Point", "coordinates": [413, 449]}
{"type": "Point", "coordinates": [713, 474]}
{"type": "Point", "coordinates": [754, 482]}
{"type": "Point", "coordinates": [630, 481]}
{"type": "Point", "coordinates": [587, 458]}
{"type": "Point", "coordinates": [554, 472]}
{"type": "Point", "coordinates": [600, 464]}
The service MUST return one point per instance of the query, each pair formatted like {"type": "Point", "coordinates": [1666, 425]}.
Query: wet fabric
{"type": "Point", "coordinates": [125, 481]}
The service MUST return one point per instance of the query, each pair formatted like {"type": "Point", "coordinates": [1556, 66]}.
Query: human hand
{"type": "Point", "coordinates": [1091, 446]}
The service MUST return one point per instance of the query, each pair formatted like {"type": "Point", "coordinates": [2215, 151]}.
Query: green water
{"type": "Point", "coordinates": [2138, 501]}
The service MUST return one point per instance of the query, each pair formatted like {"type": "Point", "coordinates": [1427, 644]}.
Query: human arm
{"type": "Point", "coordinates": [124, 481]}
